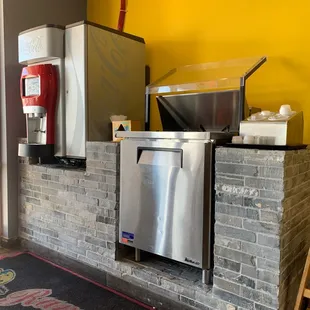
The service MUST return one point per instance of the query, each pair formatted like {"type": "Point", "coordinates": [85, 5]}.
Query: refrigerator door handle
{"type": "Point", "coordinates": [154, 156]}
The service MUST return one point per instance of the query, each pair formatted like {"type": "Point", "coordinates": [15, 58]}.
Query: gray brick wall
{"type": "Point", "coordinates": [262, 214]}
{"type": "Point", "coordinates": [295, 229]}
{"type": "Point", "coordinates": [262, 229]}
{"type": "Point", "coordinates": [74, 212]}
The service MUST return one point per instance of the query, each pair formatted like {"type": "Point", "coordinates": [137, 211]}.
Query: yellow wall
{"type": "Point", "coordinates": [193, 31]}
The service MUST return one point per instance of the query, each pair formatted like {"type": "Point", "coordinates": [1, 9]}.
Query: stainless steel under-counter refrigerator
{"type": "Point", "coordinates": [167, 177]}
{"type": "Point", "coordinates": [166, 194]}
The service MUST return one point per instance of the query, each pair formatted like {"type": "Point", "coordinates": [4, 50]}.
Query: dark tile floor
{"type": "Point", "coordinates": [157, 300]}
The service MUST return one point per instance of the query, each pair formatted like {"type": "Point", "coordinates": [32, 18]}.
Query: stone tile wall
{"type": "Point", "coordinates": [261, 233]}
{"type": "Point", "coordinates": [262, 230]}
{"type": "Point", "coordinates": [295, 227]}
{"type": "Point", "coordinates": [74, 212]}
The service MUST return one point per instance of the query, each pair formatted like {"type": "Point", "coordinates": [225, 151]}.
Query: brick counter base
{"type": "Point", "coordinates": [261, 232]}
{"type": "Point", "coordinates": [73, 211]}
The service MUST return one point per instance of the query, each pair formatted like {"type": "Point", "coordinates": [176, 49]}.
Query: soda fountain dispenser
{"type": "Point", "coordinates": [41, 88]}
{"type": "Point", "coordinates": [76, 77]}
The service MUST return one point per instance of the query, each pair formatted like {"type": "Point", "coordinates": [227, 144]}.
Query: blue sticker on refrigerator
{"type": "Point", "coordinates": [127, 237]}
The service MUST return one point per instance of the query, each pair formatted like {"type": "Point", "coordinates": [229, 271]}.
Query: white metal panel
{"type": "Point", "coordinates": [75, 81]}
{"type": "Point", "coordinates": [40, 45]}
{"type": "Point", "coordinates": [116, 81]}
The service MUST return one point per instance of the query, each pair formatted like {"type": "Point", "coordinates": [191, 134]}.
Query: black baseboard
{"type": "Point", "coordinates": [104, 278]}
{"type": "Point", "coordinates": [11, 243]}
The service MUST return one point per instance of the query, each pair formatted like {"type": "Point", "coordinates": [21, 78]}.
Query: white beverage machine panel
{"type": "Point", "coordinates": [75, 83]}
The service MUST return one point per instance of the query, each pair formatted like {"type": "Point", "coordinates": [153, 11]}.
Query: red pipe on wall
{"type": "Point", "coordinates": [122, 13]}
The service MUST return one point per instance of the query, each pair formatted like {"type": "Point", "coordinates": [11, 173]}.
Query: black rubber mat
{"type": "Point", "coordinates": [28, 282]}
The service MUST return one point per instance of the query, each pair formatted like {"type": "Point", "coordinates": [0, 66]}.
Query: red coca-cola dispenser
{"type": "Point", "coordinates": [41, 90]}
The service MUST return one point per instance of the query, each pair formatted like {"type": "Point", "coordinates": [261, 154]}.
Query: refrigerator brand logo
{"type": "Point", "coordinates": [189, 260]}
{"type": "Point", "coordinates": [33, 45]}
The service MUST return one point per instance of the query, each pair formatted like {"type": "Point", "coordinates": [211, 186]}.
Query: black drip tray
{"type": "Point", "coordinates": [35, 150]}
{"type": "Point", "coordinates": [267, 147]}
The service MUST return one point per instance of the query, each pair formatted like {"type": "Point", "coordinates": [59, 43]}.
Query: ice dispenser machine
{"type": "Point", "coordinates": [74, 79]}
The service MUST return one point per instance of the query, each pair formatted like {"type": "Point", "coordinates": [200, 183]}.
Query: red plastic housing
{"type": "Point", "coordinates": [47, 96]}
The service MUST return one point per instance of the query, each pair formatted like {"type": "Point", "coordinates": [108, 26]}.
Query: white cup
{"type": "Point", "coordinates": [265, 113]}
{"type": "Point", "coordinates": [285, 110]}
{"type": "Point", "coordinates": [248, 140]}
{"type": "Point", "coordinates": [237, 140]}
